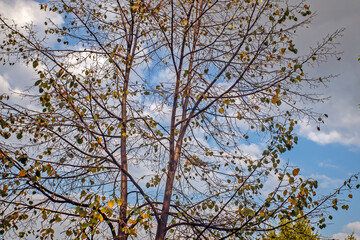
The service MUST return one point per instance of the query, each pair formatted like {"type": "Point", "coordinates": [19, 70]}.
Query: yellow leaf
{"type": "Point", "coordinates": [275, 98]}
{"type": "Point", "coordinates": [221, 110]}
{"type": "Point", "coordinates": [131, 221]}
{"type": "Point", "coordinates": [99, 140]}
{"type": "Point", "coordinates": [111, 203]}
{"type": "Point", "coordinates": [239, 116]}
{"type": "Point", "coordinates": [22, 173]}
{"type": "Point", "coordinates": [296, 171]}
{"type": "Point", "coordinates": [101, 218]}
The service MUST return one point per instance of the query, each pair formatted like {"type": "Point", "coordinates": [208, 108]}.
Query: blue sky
{"type": "Point", "coordinates": [331, 155]}
{"type": "Point", "coordinates": [330, 164]}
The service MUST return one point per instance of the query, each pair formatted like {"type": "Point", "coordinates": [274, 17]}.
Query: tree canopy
{"type": "Point", "coordinates": [301, 229]}
{"type": "Point", "coordinates": [351, 236]}
{"type": "Point", "coordinates": [144, 117]}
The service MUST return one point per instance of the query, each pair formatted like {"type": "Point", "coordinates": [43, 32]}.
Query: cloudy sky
{"type": "Point", "coordinates": [331, 155]}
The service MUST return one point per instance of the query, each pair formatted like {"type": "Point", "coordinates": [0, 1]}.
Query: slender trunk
{"type": "Point", "coordinates": [176, 146]}
{"type": "Point", "coordinates": [161, 229]}
{"type": "Point", "coordinates": [124, 161]}
{"type": "Point", "coordinates": [124, 165]}
{"type": "Point", "coordinates": [173, 160]}
{"type": "Point", "coordinates": [131, 46]}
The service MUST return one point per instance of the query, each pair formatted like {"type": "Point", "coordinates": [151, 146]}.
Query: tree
{"type": "Point", "coordinates": [142, 114]}
{"type": "Point", "coordinates": [351, 236]}
{"type": "Point", "coordinates": [301, 229]}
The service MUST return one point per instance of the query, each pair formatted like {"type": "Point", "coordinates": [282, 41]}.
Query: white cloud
{"type": "Point", "coordinates": [26, 11]}
{"type": "Point", "coordinates": [252, 150]}
{"type": "Point", "coordinates": [4, 85]}
{"type": "Point", "coordinates": [270, 185]}
{"type": "Point", "coordinates": [339, 236]}
{"type": "Point", "coordinates": [319, 137]}
{"type": "Point", "coordinates": [347, 230]}
{"type": "Point", "coordinates": [327, 164]}
{"type": "Point", "coordinates": [353, 227]}
{"type": "Point", "coordinates": [14, 78]}
{"type": "Point", "coordinates": [342, 236]}
{"type": "Point", "coordinates": [20, 77]}
{"type": "Point", "coordinates": [326, 182]}
{"type": "Point", "coordinates": [346, 134]}
{"type": "Point", "coordinates": [166, 76]}
{"type": "Point", "coordinates": [17, 81]}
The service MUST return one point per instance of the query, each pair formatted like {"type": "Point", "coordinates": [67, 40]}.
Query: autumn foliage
{"type": "Point", "coordinates": [143, 118]}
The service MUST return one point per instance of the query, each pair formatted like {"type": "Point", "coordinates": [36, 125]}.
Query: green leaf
{"type": "Point", "coordinates": [38, 82]}
{"type": "Point", "coordinates": [19, 136]}
{"type": "Point", "coordinates": [35, 64]}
